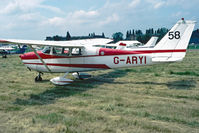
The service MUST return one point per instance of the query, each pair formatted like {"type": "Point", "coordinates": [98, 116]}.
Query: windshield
{"type": "Point", "coordinates": [46, 50]}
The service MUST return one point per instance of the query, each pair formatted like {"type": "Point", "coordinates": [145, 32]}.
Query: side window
{"type": "Point", "coordinates": [65, 51]}
{"type": "Point", "coordinates": [61, 51]}
{"type": "Point", "coordinates": [46, 50]}
{"type": "Point", "coordinates": [55, 50]}
{"type": "Point", "coordinates": [76, 51]}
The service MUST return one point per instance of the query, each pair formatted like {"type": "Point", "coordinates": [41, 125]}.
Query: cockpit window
{"type": "Point", "coordinates": [60, 51]}
{"type": "Point", "coordinates": [46, 50]}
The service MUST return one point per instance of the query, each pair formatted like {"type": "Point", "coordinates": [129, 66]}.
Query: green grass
{"type": "Point", "coordinates": [193, 47]}
{"type": "Point", "coordinates": [161, 98]}
{"type": "Point", "coordinates": [185, 73]}
{"type": "Point", "coordinates": [51, 118]}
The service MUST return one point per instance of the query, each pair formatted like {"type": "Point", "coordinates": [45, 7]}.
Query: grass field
{"type": "Point", "coordinates": [160, 98]}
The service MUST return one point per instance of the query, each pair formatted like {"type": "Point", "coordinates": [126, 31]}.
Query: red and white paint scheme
{"type": "Point", "coordinates": [76, 56]}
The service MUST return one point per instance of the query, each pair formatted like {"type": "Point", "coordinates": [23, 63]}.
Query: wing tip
{"type": "Point", "coordinates": [3, 41]}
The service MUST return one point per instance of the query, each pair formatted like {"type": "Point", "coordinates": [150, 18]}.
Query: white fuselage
{"type": "Point", "coordinates": [92, 59]}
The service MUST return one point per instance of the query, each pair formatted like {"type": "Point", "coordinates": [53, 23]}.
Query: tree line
{"type": "Point", "coordinates": [118, 36]}
{"type": "Point", "coordinates": [69, 37]}
{"type": "Point", "coordinates": [139, 35]}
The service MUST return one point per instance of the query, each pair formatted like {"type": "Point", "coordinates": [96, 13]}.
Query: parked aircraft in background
{"type": "Point", "coordinates": [4, 50]}
{"type": "Point", "coordinates": [130, 44]}
{"type": "Point", "coordinates": [151, 43]}
{"type": "Point", "coordinates": [12, 49]}
{"type": "Point", "coordinates": [77, 56]}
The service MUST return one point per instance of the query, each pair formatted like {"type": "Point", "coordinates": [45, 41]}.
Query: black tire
{"type": "Point", "coordinates": [4, 56]}
{"type": "Point", "coordinates": [38, 78]}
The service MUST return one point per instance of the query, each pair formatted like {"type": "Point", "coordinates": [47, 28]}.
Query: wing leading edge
{"type": "Point", "coordinates": [43, 43]}
{"type": "Point", "coordinates": [73, 43]}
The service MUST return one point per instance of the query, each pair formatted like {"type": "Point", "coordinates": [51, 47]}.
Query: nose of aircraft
{"type": "Point", "coordinates": [26, 56]}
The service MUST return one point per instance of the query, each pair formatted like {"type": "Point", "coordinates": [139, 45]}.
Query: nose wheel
{"type": "Point", "coordinates": [38, 78]}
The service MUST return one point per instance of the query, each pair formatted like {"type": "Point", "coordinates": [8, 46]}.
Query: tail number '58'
{"type": "Point", "coordinates": [173, 35]}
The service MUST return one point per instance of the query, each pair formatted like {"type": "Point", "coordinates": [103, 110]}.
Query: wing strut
{"type": "Point", "coordinates": [40, 58]}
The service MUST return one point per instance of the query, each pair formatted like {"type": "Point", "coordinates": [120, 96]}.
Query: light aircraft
{"type": "Point", "coordinates": [12, 49]}
{"type": "Point", "coordinates": [73, 56]}
{"type": "Point", "coordinates": [151, 43]}
{"type": "Point", "coordinates": [127, 45]}
{"type": "Point", "coordinates": [4, 50]}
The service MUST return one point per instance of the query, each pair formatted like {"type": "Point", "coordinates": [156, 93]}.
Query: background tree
{"type": "Point", "coordinates": [56, 38]}
{"type": "Point", "coordinates": [127, 35]}
{"type": "Point", "coordinates": [68, 37]}
{"type": "Point", "coordinates": [103, 35]}
{"type": "Point", "coordinates": [117, 36]}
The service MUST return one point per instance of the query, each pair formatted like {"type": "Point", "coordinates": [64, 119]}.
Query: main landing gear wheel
{"type": "Point", "coordinates": [76, 75]}
{"type": "Point", "coordinates": [38, 78]}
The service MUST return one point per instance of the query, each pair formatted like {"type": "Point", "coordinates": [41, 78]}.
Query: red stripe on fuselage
{"type": "Point", "coordinates": [106, 51]}
{"type": "Point", "coordinates": [100, 66]}
{"type": "Point", "coordinates": [102, 52]}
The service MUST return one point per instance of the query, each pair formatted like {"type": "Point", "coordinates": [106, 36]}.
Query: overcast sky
{"type": "Point", "coordinates": [36, 19]}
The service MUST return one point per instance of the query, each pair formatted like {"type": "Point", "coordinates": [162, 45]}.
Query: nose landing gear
{"type": "Point", "coordinates": [38, 78]}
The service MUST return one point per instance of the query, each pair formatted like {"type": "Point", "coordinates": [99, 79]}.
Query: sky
{"type": "Point", "coordinates": [36, 19]}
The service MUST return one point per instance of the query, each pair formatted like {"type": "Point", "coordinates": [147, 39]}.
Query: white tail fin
{"type": "Point", "coordinates": [175, 42]}
{"type": "Point", "coordinates": [150, 43]}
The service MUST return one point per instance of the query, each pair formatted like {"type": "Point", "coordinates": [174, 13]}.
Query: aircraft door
{"type": "Point", "coordinates": [76, 55]}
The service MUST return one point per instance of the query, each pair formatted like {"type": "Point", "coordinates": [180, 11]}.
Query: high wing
{"type": "Point", "coordinates": [2, 48]}
{"type": "Point", "coordinates": [74, 43]}
{"type": "Point", "coordinates": [42, 43]}
{"type": "Point", "coordinates": [68, 44]}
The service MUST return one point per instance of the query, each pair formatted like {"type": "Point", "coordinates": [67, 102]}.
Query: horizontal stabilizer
{"type": "Point", "coordinates": [165, 59]}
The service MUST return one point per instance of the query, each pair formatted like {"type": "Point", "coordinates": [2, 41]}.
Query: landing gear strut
{"type": "Point", "coordinates": [81, 76]}
{"type": "Point", "coordinates": [38, 78]}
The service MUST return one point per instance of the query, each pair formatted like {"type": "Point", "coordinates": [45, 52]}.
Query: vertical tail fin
{"type": "Point", "coordinates": [176, 41]}
{"type": "Point", "coordinates": [178, 36]}
{"type": "Point", "coordinates": [151, 42]}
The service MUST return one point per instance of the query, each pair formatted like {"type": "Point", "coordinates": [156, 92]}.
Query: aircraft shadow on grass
{"type": "Point", "coordinates": [178, 84]}
{"type": "Point", "coordinates": [78, 87]}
